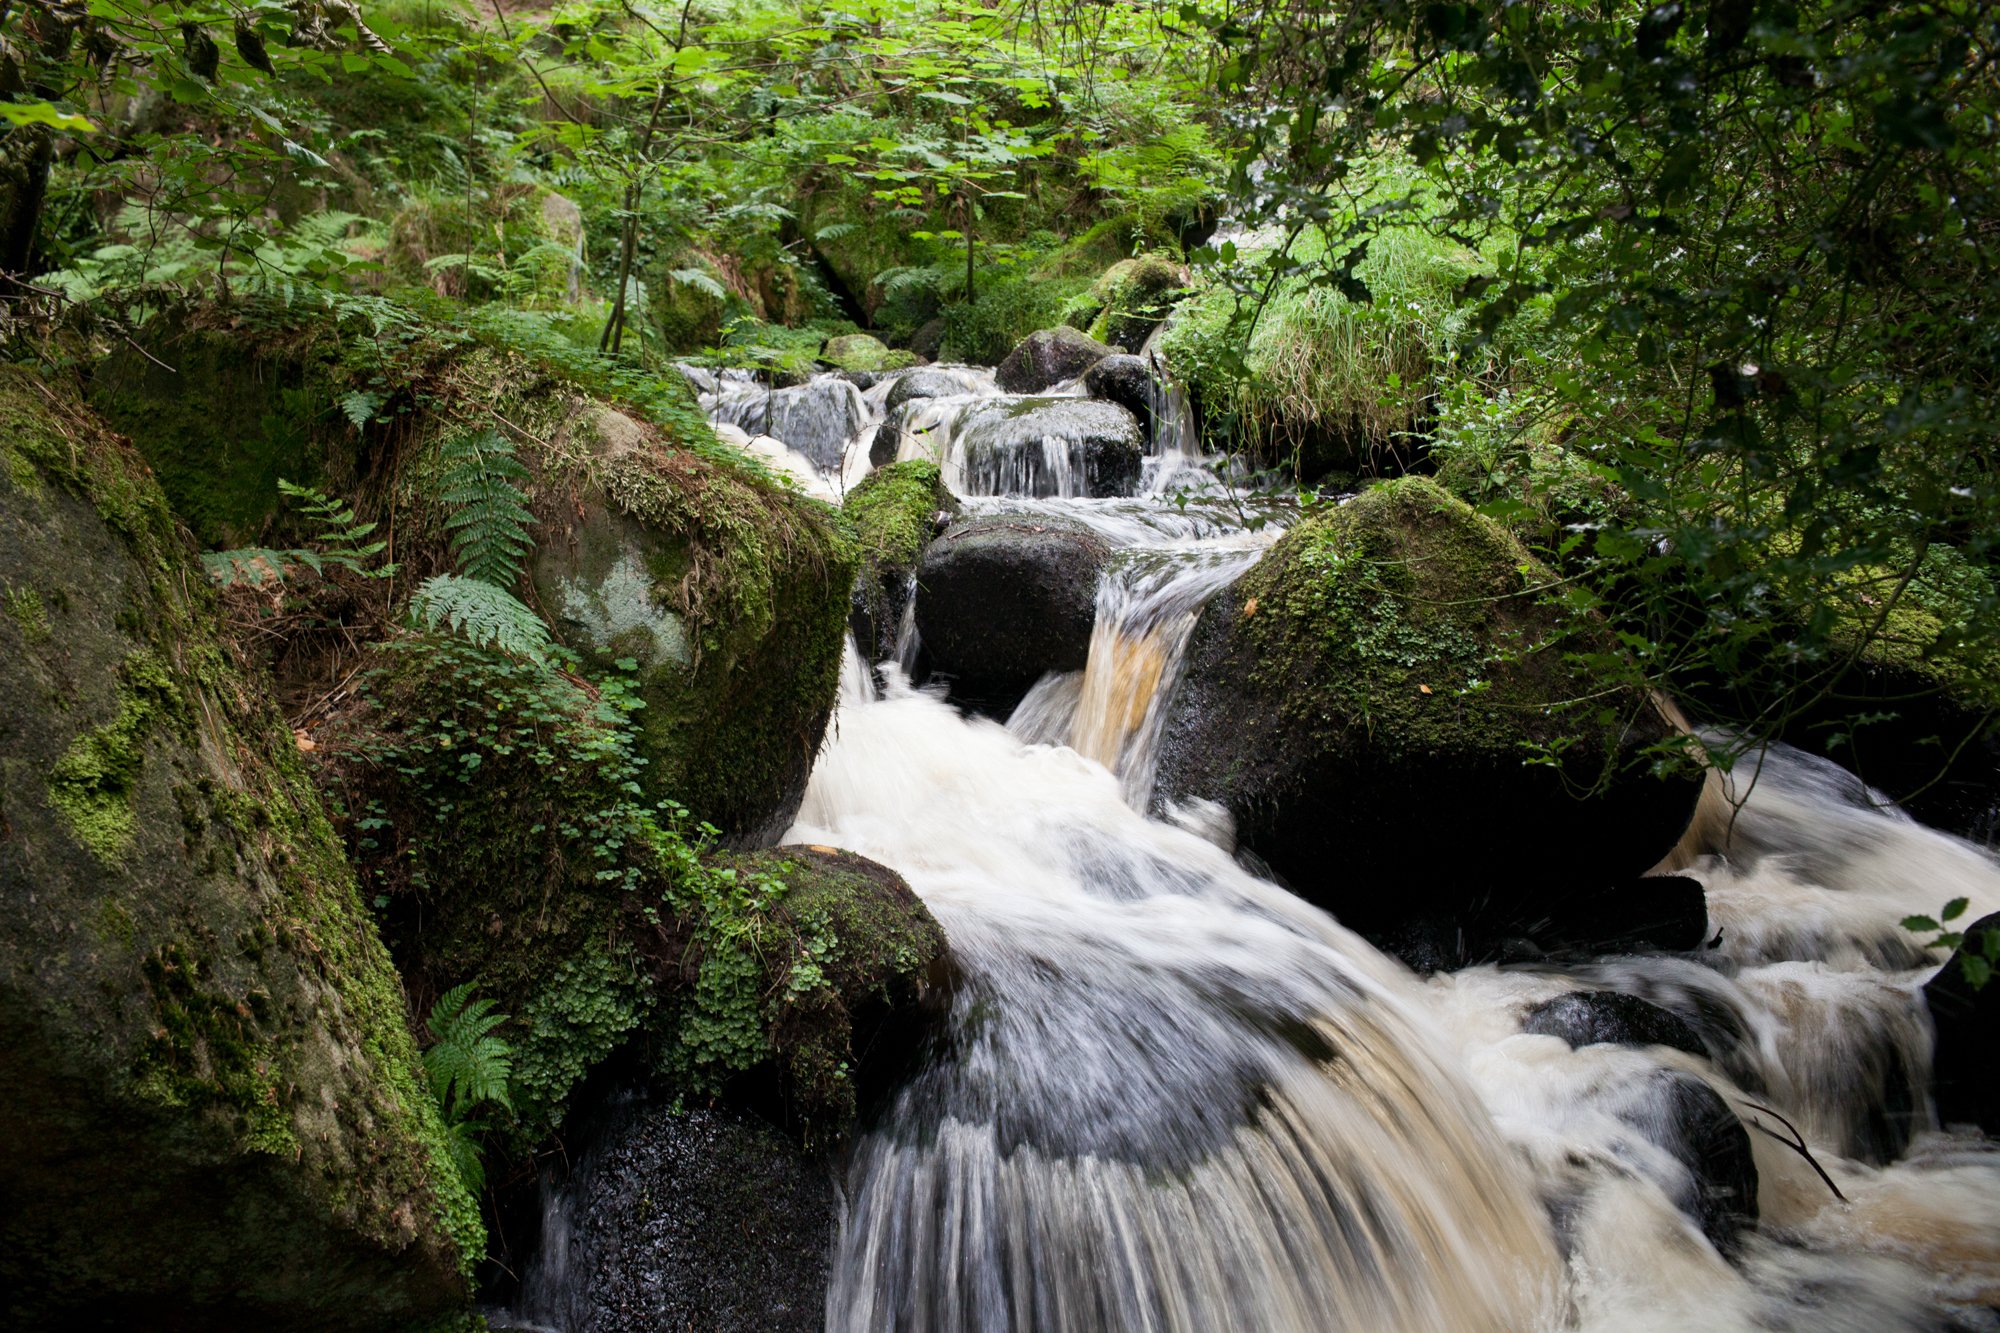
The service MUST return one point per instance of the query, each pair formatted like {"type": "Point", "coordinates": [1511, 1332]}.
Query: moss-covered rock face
{"type": "Point", "coordinates": [895, 511]}
{"type": "Point", "coordinates": [730, 594]}
{"type": "Point", "coordinates": [221, 415]}
{"type": "Point", "coordinates": [215, 1113]}
{"type": "Point", "coordinates": [1381, 705]}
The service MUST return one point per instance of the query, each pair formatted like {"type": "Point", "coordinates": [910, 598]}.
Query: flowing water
{"type": "Point", "coordinates": [1176, 1097]}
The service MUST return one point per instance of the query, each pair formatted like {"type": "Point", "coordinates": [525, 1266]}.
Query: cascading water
{"type": "Point", "coordinates": [1173, 1096]}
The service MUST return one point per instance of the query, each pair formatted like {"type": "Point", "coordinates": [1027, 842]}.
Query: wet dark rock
{"type": "Point", "coordinates": [1585, 1018]}
{"type": "Point", "coordinates": [1004, 599]}
{"type": "Point", "coordinates": [1965, 1069]}
{"type": "Point", "coordinates": [1359, 703]}
{"type": "Point", "coordinates": [702, 1219]}
{"type": "Point", "coordinates": [1686, 1117]}
{"type": "Point", "coordinates": [1125, 380]}
{"type": "Point", "coordinates": [928, 340]}
{"type": "Point", "coordinates": [1051, 446]}
{"type": "Point", "coordinates": [1045, 359]}
{"type": "Point", "coordinates": [817, 418]}
{"type": "Point", "coordinates": [1651, 914]}
{"type": "Point", "coordinates": [923, 383]}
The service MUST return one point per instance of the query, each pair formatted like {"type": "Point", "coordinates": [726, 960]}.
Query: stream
{"type": "Point", "coordinates": [1176, 1097]}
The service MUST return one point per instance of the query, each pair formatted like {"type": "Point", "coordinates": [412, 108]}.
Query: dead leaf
{"type": "Point", "coordinates": [306, 743]}
{"type": "Point", "coordinates": [1423, 689]}
{"type": "Point", "coordinates": [1250, 607]}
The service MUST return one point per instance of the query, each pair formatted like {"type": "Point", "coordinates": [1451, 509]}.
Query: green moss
{"type": "Point", "coordinates": [583, 1009]}
{"type": "Point", "coordinates": [834, 946]}
{"type": "Point", "coordinates": [24, 606]}
{"type": "Point", "coordinates": [91, 786]}
{"type": "Point", "coordinates": [220, 422]}
{"type": "Point", "coordinates": [861, 351]}
{"type": "Point", "coordinates": [892, 510]}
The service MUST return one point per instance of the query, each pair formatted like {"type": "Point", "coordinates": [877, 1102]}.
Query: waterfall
{"type": "Point", "coordinates": [1172, 1096]}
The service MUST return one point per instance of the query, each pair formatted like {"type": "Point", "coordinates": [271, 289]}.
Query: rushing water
{"type": "Point", "coordinates": [1176, 1097]}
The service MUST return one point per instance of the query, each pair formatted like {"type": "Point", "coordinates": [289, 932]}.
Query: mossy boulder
{"type": "Point", "coordinates": [1388, 708]}
{"type": "Point", "coordinates": [851, 974]}
{"type": "Point", "coordinates": [1966, 1018]}
{"type": "Point", "coordinates": [1133, 297]}
{"type": "Point", "coordinates": [1003, 600]}
{"type": "Point", "coordinates": [863, 352]}
{"type": "Point", "coordinates": [730, 594]}
{"type": "Point", "coordinates": [1047, 358]}
{"type": "Point", "coordinates": [896, 511]}
{"type": "Point", "coordinates": [215, 1113]}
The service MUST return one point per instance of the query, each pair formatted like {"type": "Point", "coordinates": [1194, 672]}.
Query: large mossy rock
{"type": "Point", "coordinates": [731, 595]}
{"type": "Point", "coordinates": [1366, 702]}
{"type": "Point", "coordinates": [1047, 358]}
{"type": "Point", "coordinates": [1003, 600]}
{"type": "Point", "coordinates": [215, 1114]}
{"type": "Point", "coordinates": [896, 510]}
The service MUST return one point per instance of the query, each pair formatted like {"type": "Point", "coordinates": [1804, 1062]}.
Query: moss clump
{"type": "Point", "coordinates": [834, 949]}
{"type": "Point", "coordinates": [25, 606]}
{"type": "Point", "coordinates": [91, 785]}
{"type": "Point", "coordinates": [895, 512]}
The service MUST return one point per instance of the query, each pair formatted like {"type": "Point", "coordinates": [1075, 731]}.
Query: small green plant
{"type": "Point", "coordinates": [1978, 951]}
{"type": "Point", "coordinates": [340, 542]}
{"type": "Point", "coordinates": [469, 1068]}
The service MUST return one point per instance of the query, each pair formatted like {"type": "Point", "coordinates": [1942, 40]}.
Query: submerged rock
{"type": "Point", "coordinates": [701, 1219]}
{"type": "Point", "coordinates": [1048, 358]}
{"type": "Point", "coordinates": [215, 1116]}
{"type": "Point", "coordinates": [1684, 1116]}
{"type": "Point", "coordinates": [1365, 700]}
{"type": "Point", "coordinates": [1125, 380]}
{"type": "Point", "coordinates": [1965, 1069]}
{"type": "Point", "coordinates": [896, 510]}
{"type": "Point", "coordinates": [1584, 1018]}
{"type": "Point", "coordinates": [1005, 599]}
{"type": "Point", "coordinates": [1051, 446]}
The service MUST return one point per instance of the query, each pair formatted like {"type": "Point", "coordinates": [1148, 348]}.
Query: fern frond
{"type": "Point", "coordinates": [482, 612]}
{"type": "Point", "coordinates": [360, 406]}
{"type": "Point", "coordinates": [254, 565]}
{"type": "Point", "coordinates": [700, 281]}
{"type": "Point", "coordinates": [481, 478]}
{"type": "Point", "coordinates": [467, 1065]}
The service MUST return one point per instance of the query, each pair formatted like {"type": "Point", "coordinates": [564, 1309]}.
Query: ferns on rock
{"type": "Point", "coordinates": [481, 612]}
{"type": "Point", "coordinates": [468, 1067]}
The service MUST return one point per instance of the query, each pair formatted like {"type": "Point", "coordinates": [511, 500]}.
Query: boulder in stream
{"type": "Point", "coordinates": [1004, 599]}
{"type": "Point", "coordinates": [896, 510]}
{"type": "Point", "coordinates": [863, 352]}
{"type": "Point", "coordinates": [1047, 358]}
{"type": "Point", "coordinates": [1050, 446]}
{"type": "Point", "coordinates": [1366, 702]}
{"type": "Point", "coordinates": [1125, 380]}
{"type": "Point", "coordinates": [1685, 1116]}
{"type": "Point", "coordinates": [1965, 1068]}
{"type": "Point", "coordinates": [926, 382]}
{"type": "Point", "coordinates": [215, 1116]}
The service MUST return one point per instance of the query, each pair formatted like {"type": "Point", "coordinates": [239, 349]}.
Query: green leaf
{"type": "Point", "coordinates": [1920, 923]}
{"type": "Point", "coordinates": [1955, 909]}
{"type": "Point", "coordinates": [45, 113]}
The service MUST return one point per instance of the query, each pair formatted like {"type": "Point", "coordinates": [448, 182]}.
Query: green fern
{"type": "Point", "coordinates": [489, 530]}
{"type": "Point", "coordinates": [467, 1064]}
{"type": "Point", "coordinates": [484, 613]}
{"type": "Point", "coordinates": [340, 541]}
{"type": "Point", "coordinates": [360, 406]}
